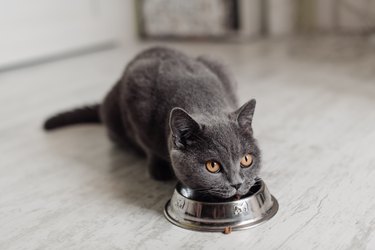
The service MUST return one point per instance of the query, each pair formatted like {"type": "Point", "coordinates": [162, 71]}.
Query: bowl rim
{"type": "Point", "coordinates": [261, 189]}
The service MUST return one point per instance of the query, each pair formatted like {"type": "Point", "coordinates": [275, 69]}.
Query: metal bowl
{"type": "Point", "coordinates": [190, 210]}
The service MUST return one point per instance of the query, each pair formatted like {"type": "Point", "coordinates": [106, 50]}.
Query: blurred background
{"type": "Point", "coordinates": [39, 29]}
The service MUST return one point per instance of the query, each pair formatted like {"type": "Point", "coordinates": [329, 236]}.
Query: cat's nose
{"type": "Point", "coordinates": [237, 186]}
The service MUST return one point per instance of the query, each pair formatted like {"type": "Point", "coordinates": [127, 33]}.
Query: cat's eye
{"type": "Point", "coordinates": [213, 166]}
{"type": "Point", "coordinates": [246, 161]}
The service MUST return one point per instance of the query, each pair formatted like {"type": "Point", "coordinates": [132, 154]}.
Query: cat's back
{"type": "Point", "coordinates": [159, 53]}
{"type": "Point", "coordinates": [162, 74]}
{"type": "Point", "coordinates": [164, 63]}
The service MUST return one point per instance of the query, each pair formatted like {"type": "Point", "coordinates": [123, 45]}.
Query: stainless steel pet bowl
{"type": "Point", "coordinates": [189, 210]}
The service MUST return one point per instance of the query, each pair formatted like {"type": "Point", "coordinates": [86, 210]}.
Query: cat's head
{"type": "Point", "coordinates": [216, 155]}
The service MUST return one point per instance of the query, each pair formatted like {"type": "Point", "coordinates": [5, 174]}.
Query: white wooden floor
{"type": "Point", "coordinates": [315, 121]}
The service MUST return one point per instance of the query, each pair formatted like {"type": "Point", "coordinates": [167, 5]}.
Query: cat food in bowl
{"type": "Point", "coordinates": [189, 210]}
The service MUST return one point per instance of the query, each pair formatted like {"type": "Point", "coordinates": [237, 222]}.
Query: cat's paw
{"type": "Point", "coordinates": [160, 169]}
{"type": "Point", "coordinates": [162, 174]}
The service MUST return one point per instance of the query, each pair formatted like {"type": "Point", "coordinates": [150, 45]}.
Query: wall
{"type": "Point", "coordinates": [37, 29]}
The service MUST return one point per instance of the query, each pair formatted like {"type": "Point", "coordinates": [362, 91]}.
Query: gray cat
{"type": "Point", "coordinates": [182, 113]}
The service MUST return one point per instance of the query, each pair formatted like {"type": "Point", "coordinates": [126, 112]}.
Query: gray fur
{"type": "Point", "coordinates": [181, 112]}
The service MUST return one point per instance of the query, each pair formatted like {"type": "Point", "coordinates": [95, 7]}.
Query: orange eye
{"type": "Point", "coordinates": [246, 161]}
{"type": "Point", "coordinates": [213, 166]}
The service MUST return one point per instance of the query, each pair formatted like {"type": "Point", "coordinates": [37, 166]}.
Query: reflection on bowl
{"type": "Point", "coordinates": [191, 210]}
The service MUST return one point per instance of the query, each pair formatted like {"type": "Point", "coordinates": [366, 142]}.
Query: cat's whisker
{"type": "Point", "coordinates": [203, 191]}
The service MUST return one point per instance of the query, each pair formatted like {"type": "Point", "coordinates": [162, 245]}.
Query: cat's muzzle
{"type": "Point", "coordinates": [188, 210]}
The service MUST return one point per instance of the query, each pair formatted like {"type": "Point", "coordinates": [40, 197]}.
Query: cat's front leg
{"type": "Point", "coordinates": [159, 169]}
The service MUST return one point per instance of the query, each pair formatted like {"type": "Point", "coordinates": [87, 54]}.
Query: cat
{"type": "Point", "coordinates": [183, 114]}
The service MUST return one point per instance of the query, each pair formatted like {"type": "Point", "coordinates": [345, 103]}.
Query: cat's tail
{"type": "Point", "coordinates": [87, 114]}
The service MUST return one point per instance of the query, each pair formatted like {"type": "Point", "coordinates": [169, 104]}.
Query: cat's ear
{"type": "Point", "coordinates": [183, 127]}
{"type": "Point", "coordinates": [244, 115]}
